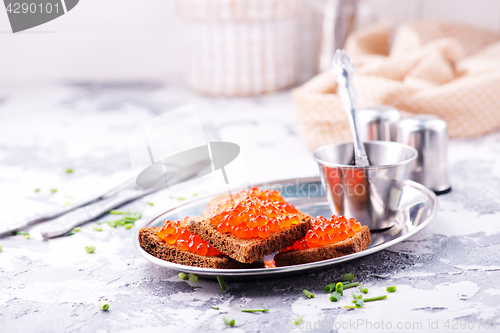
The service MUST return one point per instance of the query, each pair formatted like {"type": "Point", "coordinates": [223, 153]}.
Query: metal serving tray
{"type": "Point", "coordinates": [417, 207]}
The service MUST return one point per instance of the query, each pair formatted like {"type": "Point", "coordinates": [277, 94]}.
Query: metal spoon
{"type": "Point", "coordinates": [343, 69]}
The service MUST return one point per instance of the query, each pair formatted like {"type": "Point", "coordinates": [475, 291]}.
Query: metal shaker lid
{"type": "Point", "coordinates": [378, 123]}
{"type": "Point", "coordinates": [429, 136]}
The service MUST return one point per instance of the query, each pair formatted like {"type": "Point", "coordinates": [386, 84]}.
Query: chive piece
{"type": "Point", "coordinates": [116, 212]}
{"type": "Point", "coordinates": [25, 234]}
{"type": "Point", "coordinates": [350, 307]}
{"type": "Point", "coordinates": [298, 320]}
{"type": "Point", "coordinates": [53, 190]}
{"type": "Point", "coordinates": [222, 284]}
{"type": "Point", "coordinates": [96, 227]}
{"type": "Point", "coordinates": [363, 289]}
{"type": "Point", "coordinates": [378, 298]}
{"type": "Point", "coordinates": [391, 289]}
{"type": "Point", "coordinates": [335, 297]}
{"type": "Point", "coordinates": [1, 247]}
{"type": "Point", "coordinates": [213, 307]}
{"type": "Point", "coordinates": [183, 276]}
{"type": "Point", "coordinates": [347, 277]}
{"type": "Point", "coordinates": [351, 285]}
{"type": "Point", "coordinates": [228, 320]}
{"type": "Point", "coordinates": [90, 249]}
{"type": "Point", "coordinates": [103, 305]}
{"type": "Point", "coordinates": [359, 303]}
{"type": "Point", "coordinates": [150, 203]}
{"type": "Point", "coordinates": [69, 170]}
{"type": "Point", "coordinates": [137, 215]}
{"type": "Point", "coordinates": [256, 310]}
{"type": "Point", "coordinates": [339, 287]}
{"type": "Point", "coordinates": [129, 226]}
{"type": "Point", "coordinates": [37, 190]}
{"type": "Point", "coordinates": [308, 294]}
{"type": "Point", "coordinates": [357, 296]}
{"type": "Point", "coordinates": [113, 224]}
{"type": "Point", "coordinates": [193, 277]}
{"type": "Point", "coordinates": [330, 287]}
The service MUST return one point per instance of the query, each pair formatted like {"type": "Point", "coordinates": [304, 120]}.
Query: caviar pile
{"type": "Point", "coordinates": [254, 214]}
{"type": "Point", "coordinates": [325, 232]}
{"type": "Point", "coordinates": [174, 233]}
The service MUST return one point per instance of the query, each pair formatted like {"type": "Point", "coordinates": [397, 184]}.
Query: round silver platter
{"type": "Point", "coordinates": [417, 207]}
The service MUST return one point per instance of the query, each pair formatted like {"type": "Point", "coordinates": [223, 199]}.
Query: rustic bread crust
{"type": "Point", "coordinates": [250, 249]}
{"type": "Point", "coordinates": [153, 245]}
{"type": "Point", "coordinates": [356, 243]}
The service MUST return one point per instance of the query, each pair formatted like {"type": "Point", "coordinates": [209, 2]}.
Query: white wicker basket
{"type": "Point", "coordinates": [240, 47]}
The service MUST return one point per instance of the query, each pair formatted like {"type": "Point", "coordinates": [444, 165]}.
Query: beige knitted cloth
{"type": "Point", "coordinates": [446, 69]}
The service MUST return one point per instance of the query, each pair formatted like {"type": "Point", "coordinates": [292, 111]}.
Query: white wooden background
{"type": "Point", "coordinates": [142, 40]}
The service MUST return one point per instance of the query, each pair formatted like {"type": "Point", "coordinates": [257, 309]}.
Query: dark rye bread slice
{"type": "Point", "coordinates": [153, 245]}
{"type": "Point", "coordinates": [356, 243]}
{"type": "Point", "coordinates": [249, 250]}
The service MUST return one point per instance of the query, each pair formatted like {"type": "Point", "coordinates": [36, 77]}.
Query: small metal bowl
{"type": "Point", "coordinates": [372, 194]}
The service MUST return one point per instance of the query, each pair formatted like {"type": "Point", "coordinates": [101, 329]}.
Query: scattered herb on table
{"type": "Point", "coordinates": [335, 297]}
{"type": "Point", "coordinates": [364, 290]}
{"type": "Point", "coordinates": [116, 212]}
{"type": "Point", "coordinates": [378, 298]}
{"type": "Point", "coordinates": [113, 224]}
{"type": "Point", "coordinates": [339, 287]}
{"type": "Point", "coordinates": [1, 247]}
{"type": "Point", "coordinates": [255, 310]}
{"type": "Point", "coordinates": [183, 276]}
{"type": "Point", "coordinates": [150, 203]}
{"type": "Point", "coordinates": [90, 248]}
{"type": "Point", "coordinates": [103, 305]}
{"type": "Point", "coordinates": [298, 320]}
{"type": "Point", "coordinates": [193, 277]}
{"type": "Point", "coordinates": [357, 296]}
{"type": "Point", "coordinates": [391, 289]}
{"type": "Point", "coordinates": [308, 294]}
{"type": "Point", "coordinates": [69, 170]}
{"type": "Point", "coordinates": [351, 307]}
{"type": "Point", "coordinates": [359, 303]}
{"type": "Point", "coordinates": [228, 320]}
{"type": "Point", "coordinates": [214, 307]}
{"type": "Point", "coordinates": [75, 230]}
{"type": "Point", "coordinates": [37, 190]}
{"type": "Point", "coordinates": [347, 277]}
{"type": "Point", "coordinates": [96, 227]}
{"type": "Point", "coordinates": [20, 233]}
{"type": "Point", "coordinates": [53, 190]}
{"type": "Point", "coordinates": [351, 285]}
{"type": "Point", "coordinates": [129, 226]}
{"type": "Point", "coordinates": [222, 284]}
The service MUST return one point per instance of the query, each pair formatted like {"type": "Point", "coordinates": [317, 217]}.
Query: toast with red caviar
{"type": "Point", "coordinates": [184, 251]}
{"type": "Point", "coordinates": [250, 224]}
{"type": "Point", "coordinates": [327, 239]}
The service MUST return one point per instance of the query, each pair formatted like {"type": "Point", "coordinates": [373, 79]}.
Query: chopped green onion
{"type": "Point", "coordinates": [330, 287]}
{"type": "Point", "coordinates": [339, 287]}
{"type": "Point", "coordinates": [90, 249]}
{"type": "Point", "coordinates": [364, 290]}
{"type": "Point", "coordinates": [113, 224]}
{"type": "Point", "coordinates": [75, 230]}
{"type": "Point", "coordinates": [69, 170]}
{"type": "Point", "coordinates": [137, 215]}
{"type": "Point", "coordinates": [222, 284]}
{"type": "Point", "coordinates": [129, 219]}
{"type": "Point", "coordinates": [378, 298]}
{"type": "Point", "coordinates": [25, 234]}
{"type": "Point", "coordinates": [357, 296]}
{"type": "Point", "coordinates": [1, 247]}
{"type": "Point", "coordinates": [350, 307]}
{"type": "Point", "coordinates": [214, 307]}
{"type": "Point", "coordinates": [391, 289]}
{"type": "Point", "coordinates": [150, 203]}
{"type": "Point", "coordinates": [96, 227]}
{"type": "Point", "coordinates": [335, 297]}
{"type": "Point", "coordinates": [348, 277]}
{"type": "Point", "coordinates": [116, 212]}
{"type": "Point", "coordinates": [193, 277]}
{"type": "Point", "coordinates": [256, 310]}
{"type": "Point", "coordinates": [103, 305]}
{"type": "Point", "coordinates": [183, 276]}
{"type": "Point", "coordinates": [196, 194]}
{"type": "Point", "coordinates": [351, 285]}
{"type": "Point", "coordinates": [129, 226]}
{"type": "Point", "coordinates": [359, 302]}
{"type": "Point", "coordinates": [53, 190]}
{"type": "Point", "coordinates": [37, 190]}
{"type": "Point", "coordinates": [298, 320]}
{"type": "Point", "coordinates": [228, 320]}
{"type": "Point", "coordinates": [308, 294]}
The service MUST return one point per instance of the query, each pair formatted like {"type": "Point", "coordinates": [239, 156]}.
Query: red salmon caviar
{"type": "Point", "coordinates": [254, 214]}
{"type": "Point", "coordinates": [174, 233]}
{"type": "Point", "coordinates": [325, 232]}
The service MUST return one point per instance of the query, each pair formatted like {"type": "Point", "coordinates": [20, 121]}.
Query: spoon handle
{"type": "Point", "coordinates": [343, 68]}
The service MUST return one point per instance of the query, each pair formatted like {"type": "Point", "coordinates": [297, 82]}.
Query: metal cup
{"type": "Point", "coordinates": [429, 136]}
{"type": "Point", "coordinates": [378, 123]}
{"type": "Point", "coordinates": [371, 194]}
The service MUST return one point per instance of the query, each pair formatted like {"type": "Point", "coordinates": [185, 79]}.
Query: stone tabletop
{"type": "Point", "coordinates": [447, 275]}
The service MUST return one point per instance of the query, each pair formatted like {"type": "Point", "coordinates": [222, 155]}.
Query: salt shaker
{"type": "Point", "coordinates": [429, 136]}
